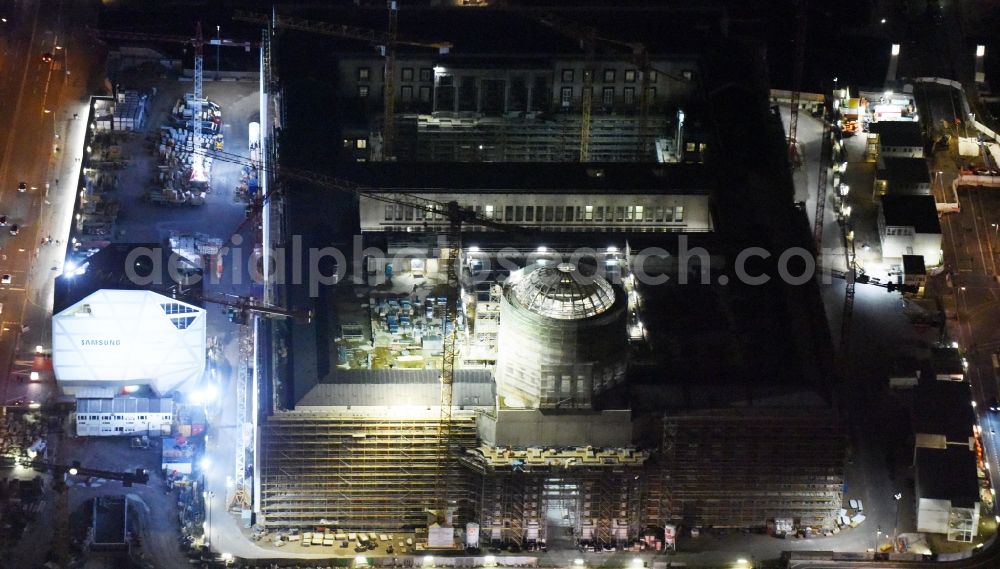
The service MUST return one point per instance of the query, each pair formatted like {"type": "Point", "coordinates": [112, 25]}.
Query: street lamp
{"type": "Point", "coordinates": [218, 50]}
{"type": "Point", "coordinates": [896, 498]}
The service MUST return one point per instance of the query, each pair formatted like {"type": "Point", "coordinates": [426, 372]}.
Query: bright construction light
{"type": "Point", "coordinates": [883, 20]}
{"type": "Point", "coordinates": [490, 561]}
{"type": "Point", "coordinates": [844, 189]}
{"type": "Point", "coordinates": [39, 349]}
{"type": "Point", "coordinates": [438, 69]}
{"type": "Point", "coordinates": [578, 562]}
{"type": "Point", "coordinates": [612, 249]}
{"type": "Point", "coordinates": [742, 561]}
{"type": "Point", "coordinates": [69, 268]}
{"type": "Point", "coordinates": [973, 404]}
{"type": "Point", "coordinates": [361, 560]}
{"type": "Point", "coordinates": [130, 388]}
{"type": "Point", "coordinates": [474, 249]}
{"type": "Point", "coordinates": [73, 471]}
{"type": "Point", "coordinates": [980, 50]}
{"type": "Point", "coordinates": [33, 376]}
{"type": "Point", "coordinates": [205, 462]}
{"type": "Point", "coordinates": [205, 395]}
{"type": "Point", "coordinates": [543, 249]}
{"type": "Point", "coordinates": [954, 345]}
{"type": "Point", "coordinates": [428, 560]}
{"type": "Point", "coordinates": [227, 557]}
{"type": "Point", "coordinates": [895, 49]}
{"type": "Point", "coordinates": [34, 405]}
{"type": "Point", "coordinates": [636, 562]}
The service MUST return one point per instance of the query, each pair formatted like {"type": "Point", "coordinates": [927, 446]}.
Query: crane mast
{"type": "Point", "coordinates": [799, 64]}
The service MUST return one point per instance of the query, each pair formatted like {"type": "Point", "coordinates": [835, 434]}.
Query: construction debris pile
{"type": "Point", "coordinates": [196, 248]}
{"type": "Point", "coordinates": [99, 202]}
{"type": "Point", "coordinates": [183, 175]}
{"type": "Point", "coordinates": [126, 111]}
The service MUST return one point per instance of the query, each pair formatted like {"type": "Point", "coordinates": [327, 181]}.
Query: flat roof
{"type": "Point", "coordinates": [528, 177]}
{"type": "Point", "coordinates": [947, 474]}
{"type": "Point", "coordinates": [898, 133]}
{"type": "Point", "coordinates": [943, 407]}
{"type": "Point", "coordinates": [400, 387]}
{"type": "Point", "coordinates": [503, 32]}
{"type": "Point", "coordinates": [904, 171]}
{"type": "Point", "coordinates": [918, 212]}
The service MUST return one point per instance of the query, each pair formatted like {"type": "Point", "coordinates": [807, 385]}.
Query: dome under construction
{"type": "Point", "coordinates": [562, 337]}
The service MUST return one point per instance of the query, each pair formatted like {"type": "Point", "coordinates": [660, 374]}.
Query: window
{"type": "Point", "coordinates": [652, 94]}
{"type": "Point", "coordinates": [529, 213]}
{"type": "Point", "coordinates": [608, 97]}
{"type": "Point", "coordinates": [679, 214]}
{"type": "Point", "coordinates": [566, 96]}
{"type": "Point", "coordinates": [408, 213]}
{"type": "Point", "coordinates": [489, 211]}
{"type": "Point", "coordinates": [569, 213]}
{"type": "Point", "coordinates": [407, 74]}
{"type": "Point", "coordinates": [629, 95]}
{"type": "Point", "coordinates": [620, 213]}
{"type": "Point", "coordinates": [687, 74]}
{"type": "Point", "coordinates": [600, 213]}
{"type": "Point", "coordinates": [690, 147]}
{"type": "Point", "coordinates": [518, 213]}
{"type": "Point", "coordinates": [650, 211]}
{"type": "Point", "coordinates": [425, 94]}
{"type": "Point", "coordinates": [508, 213]}
{"type": "Point", "coordinates": [364, 74]}
{"type": "Point", "coordinates": [567, 75]}
{"type": "Point", "coordinates": [609, 75]}
{"type": "Point", "coordinates": [548, 213]}
{"type": "Point", "coordinates": [426, 74]}
{"type": "Point", "coordinates": [579, 213]}
{"type": "Point", "coordinates": [589, 213]}
{"type": "Point", "coordinates": [363, 91]}
{"type": "Point", "coordinates": [638, 213]}
{"type": "Point", "coordinates": [362, 143]}
{"type": "Point", "coordinates": [399, 213]}
{"type": "Point", "coordinates": [406, 93]}
{"type": "Point", "coordinates": [390, 211]}
{"type": "Point", "coordinates": [559, 213]}
{"type": "Point", "coordinates": [629, 212]}
{"type": "Point", "coordinates": [652, 77]}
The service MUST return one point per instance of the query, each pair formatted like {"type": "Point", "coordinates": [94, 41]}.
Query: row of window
{"type": "Point", "coordinates": [607, 96]}
{"type": "Point", "coordinates": [426, 74]}
{"type": "Point", "coordinates": [600, 213]}
{"type": "Point", "coordinates": [117, 418]}
{"type": "Point", "coordinates": [899, 231]}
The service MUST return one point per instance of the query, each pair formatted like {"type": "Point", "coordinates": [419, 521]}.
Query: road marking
{"type": "Point", "coordinates": [4, 168]}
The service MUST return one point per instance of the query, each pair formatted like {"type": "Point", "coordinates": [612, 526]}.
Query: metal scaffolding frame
{"type": "Point", "coordinates": [360, 472]}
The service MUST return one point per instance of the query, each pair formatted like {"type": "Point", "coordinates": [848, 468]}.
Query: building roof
{"type": "Point", "coordinates": [123, 337]}
{"type": "Point", "coordinates": [942, 407]}
{"type": "Point", "coordinates": [918, 212]}
{"type": "Point", "coordinates": [898, 133]}
{"type": "Point", "coordinates": [947, 474]}
{"type": "Point", "coordinates": [400, 387]}
{"type": "Point", "coordinates": [561, 292]}
{"type": "Point", "coordinates": [903, 171]}
{"type": "Point", "coordinates": [947, 361]}
{"type": "Point", "coordinates": [500, 32]}
{"type": "Point", "coordinates": [529, 177]}
{"type": "Point", "coordinates": [125, 405]}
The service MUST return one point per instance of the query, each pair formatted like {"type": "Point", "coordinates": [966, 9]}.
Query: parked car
{"type": "Point", "coordinates": [22, 187]}
{"type": "Point", "coordinates": [47, 57]}
{"type": "Point", "coordinates": [14, 229]}
{"type": "Point", "coordinates": [5, 279]}
{"type": "Point", "coordinates": [995, 405]}
{"type": "Point", "coordinates": [3, 220]}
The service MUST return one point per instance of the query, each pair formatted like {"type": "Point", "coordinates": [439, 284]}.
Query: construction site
{"type": "Point", "coordinates": [547, 400]}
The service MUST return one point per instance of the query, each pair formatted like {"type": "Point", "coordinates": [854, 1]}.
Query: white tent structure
{"type": "Point", "coordinates": [114, 338]}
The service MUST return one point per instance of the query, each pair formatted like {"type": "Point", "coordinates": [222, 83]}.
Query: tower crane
{"type": "Point", "coordinates": [456, 216]}
{"type": "Point", "coordinates": [198, 42]}
{"type": "Point", "coordinates": [385, 42]}
{"type": "Point", "coordinates": [800, 55]}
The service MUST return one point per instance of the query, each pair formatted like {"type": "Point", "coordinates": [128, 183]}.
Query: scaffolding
{"type": "Point", "coordinates": [363, 473]}
{"type": "Point", "coordinates": [613, 138]}
{"type": "Point", "coordinates": [717, 468]}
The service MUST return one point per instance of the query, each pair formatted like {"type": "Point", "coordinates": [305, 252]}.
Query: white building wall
{"type": "Point", "coordinates": [689, 213]}
{"type": "Point", "coordinates": [932, 515]}
{"type": "Point", "coordinates": [927, 245]}
{"type": "Point", "coordinates": [123, 424]}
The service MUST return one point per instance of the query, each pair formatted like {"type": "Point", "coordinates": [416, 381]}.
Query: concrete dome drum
{"type": "Point", "coordinates": [562, 292]}
{"type": "Point", "coordinates": [562, 337]}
